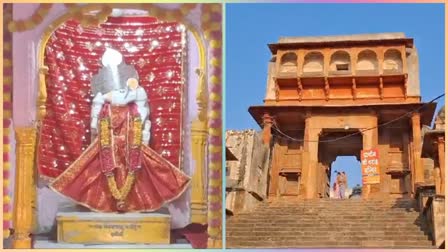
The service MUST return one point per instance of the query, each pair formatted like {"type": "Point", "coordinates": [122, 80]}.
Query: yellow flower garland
{"type": "Point", "coordinates": [105, 140]}
{"type": "Point", "coordinates": [120, 194]}
{"type": "Point", "coordinates": [137, 141]}
{"type": "Point", "coordinates": [104, 131]}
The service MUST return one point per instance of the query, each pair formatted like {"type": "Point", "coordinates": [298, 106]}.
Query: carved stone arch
{"type": "Point", "coordinates": [367, 61]}
{"type": "Point", "coordinates": [313, 63]}
{"type": "Point", "coordinates": [393, 61]}
{"type": "Point", "coordinates": [340, 61]}
{"type": "Point", "coordinates": [288, 62]}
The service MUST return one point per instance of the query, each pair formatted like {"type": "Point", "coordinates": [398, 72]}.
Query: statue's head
{"type": "Point", "coordinates": [114, 74]}
{"type": "Point", "coordinates": [111, 58]}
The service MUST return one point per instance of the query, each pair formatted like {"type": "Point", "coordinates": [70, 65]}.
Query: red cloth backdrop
{"type": "Point", "coordinates": [73, 56]}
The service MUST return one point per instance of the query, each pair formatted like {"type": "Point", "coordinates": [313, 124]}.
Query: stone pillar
{"type": "Point", "coordinates": [312, 146]}
{"type": "Point", "coordinates": [274, 178]}
{"type": "Point", "coordinates": [310, 160]}
{"type": "Point", "coordinates": [441, 154]}
{"type": "Point", "coordinates": [25, 188]}
{"type": "Point", "coordinates": [369, 141]}
{"type": "Point", "coordinates": [419, 176]}
{"type": "Point", "coordinates": [267, 126]}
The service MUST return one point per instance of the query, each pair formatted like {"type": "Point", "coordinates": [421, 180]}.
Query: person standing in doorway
{"type": "Point", "coordinates": [336, 186]}
{"type": "Point", "coordinates": [344, 176]}
{"type": "Point", "coordinates": [336, 190]}
{"type": "Point", "coordinates": [339, 183]}
{"type": "Point", "coordinates": [342, 185]}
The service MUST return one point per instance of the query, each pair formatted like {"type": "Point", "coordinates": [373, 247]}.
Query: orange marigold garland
{"type": "Point", "coordinates": [36, 19]}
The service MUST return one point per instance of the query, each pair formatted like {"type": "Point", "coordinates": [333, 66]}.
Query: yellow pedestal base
{"type": "Point", "coordinates": [104, 228]}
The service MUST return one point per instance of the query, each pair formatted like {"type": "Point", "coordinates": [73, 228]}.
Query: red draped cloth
{"type": "Point", "coordinates": [157, 181]}
{"type": "Point", "coordinates": [73, 55]}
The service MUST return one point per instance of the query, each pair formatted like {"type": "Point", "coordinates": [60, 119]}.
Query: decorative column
{"type": "Point", "coordinates": [25, 188]}
{"type": "Point", "coordinates": [199, 136]}
{"type": "Point", "coordinates": [267, 127]}
{"type": "Point", "coordinates": [312, 146]}
{"type": "Point", "coordinates": [369, 141]}
{"type": "Point", "coordinates": [308, 188]}
{"type": "Point", "coordinates": [441, 154]}
{"type": "Point", "coordinates": [268, 121]}
{"type": "Point", "coordinates": [199, 178]}
{"type": "Point", "coordinates": [419, 176]}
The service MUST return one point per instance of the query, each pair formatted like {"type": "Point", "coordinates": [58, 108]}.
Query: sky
{"type": "Point", "coordinates": [250, 27]}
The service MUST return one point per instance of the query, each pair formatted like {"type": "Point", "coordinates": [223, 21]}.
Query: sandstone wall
{"type": "Point", "coordinates": [247, 177]}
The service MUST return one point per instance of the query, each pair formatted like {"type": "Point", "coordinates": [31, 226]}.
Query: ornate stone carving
{"type": "Point", "coordinates": [198, 144]}
{"type": "Point", "coordinates": [25, 190]}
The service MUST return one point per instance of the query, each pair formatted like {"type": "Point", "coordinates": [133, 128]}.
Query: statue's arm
{"type": "Point", "coordinates": [97, 104]}
{"type": "Point", "coordinates": [143, 109]}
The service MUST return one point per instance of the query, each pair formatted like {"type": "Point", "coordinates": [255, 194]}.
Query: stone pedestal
{"type": "Point", "coordinates": [111, 228]}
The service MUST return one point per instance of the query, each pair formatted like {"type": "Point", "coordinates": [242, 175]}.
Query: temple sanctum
{"type": "Point", "coordinates": [124, 99]}
{"type": "Point", "coordinates": [356, 95]}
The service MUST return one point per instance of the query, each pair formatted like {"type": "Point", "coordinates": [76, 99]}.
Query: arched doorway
{"type": "Point", "coordinates": [352, 168]}
{"type": "Point", "coordinates": [338, 151]}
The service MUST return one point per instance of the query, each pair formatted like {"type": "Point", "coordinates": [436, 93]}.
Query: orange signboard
{"type": "Point", "coordinates": [370, 166]}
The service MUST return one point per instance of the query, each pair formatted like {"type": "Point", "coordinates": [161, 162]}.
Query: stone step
{"type": "Point", "coordinates": [328, 244]}
{"type": "Point", "coordinates": [346, 214]}
{"type": "Point", "coordinates": [342, 204]}
{"type": "Point", "coordinates": [335, 238]}
{"type": "Point", "coordinates": [327, 217]}
{"type": "Point", "coordinates": [302, 224]}
{"type": "Point", "coordinates": [335, 206]}
{"type": "Point", "coordinates": [328, 224]}
{"type": "Point", "coordinates": [328, 221]}
{"type": "Point", "coordinates": [322, 231]}
{"type": "Point", "coordinates": [413, 231]}
{"type": "Point", "coordinates": [331, 208]}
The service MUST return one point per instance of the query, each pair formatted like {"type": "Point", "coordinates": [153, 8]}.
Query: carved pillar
{"type": "Point", "coordinates": [42, 96]}
{"type": "Point", "coordinates": [25, 188]}
{"type": "Point", "coordinates": [312, 148]}
{"type": "Point", "coordinates": [198, 194]}
{"type": "Point", "coordinates": [273, 180]}
{"type": "Point", "coordinates": [419, 176]}
{"type": "Point", "coordinates": [199, 134]}
{"type": "Point", "coordinates": [308, 186]}
{"type": "Point", "coordinates": [380, 54]}
{"type": "Point", "coordinates": [369, 141]}
{"type": "Point", "coordinates": [441, 154]}
{"type": "Point", "coordinates": [267, 126]}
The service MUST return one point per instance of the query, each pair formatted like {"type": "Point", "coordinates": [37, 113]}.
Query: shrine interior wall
{"type": "Point", "coordinates": [25, 93]}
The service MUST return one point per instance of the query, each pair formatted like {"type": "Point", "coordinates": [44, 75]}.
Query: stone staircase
{"type": "Point", "coordinates": [328, 223]}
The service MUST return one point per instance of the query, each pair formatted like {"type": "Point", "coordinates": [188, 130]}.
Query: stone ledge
{"type": "Point", "coordinates": [48, 244]}
{"type": "Point", "coordinates": [113, 228]}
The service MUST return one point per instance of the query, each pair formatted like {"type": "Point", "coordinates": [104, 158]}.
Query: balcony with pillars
{"type": "Point", "coordinates": [375, 73]}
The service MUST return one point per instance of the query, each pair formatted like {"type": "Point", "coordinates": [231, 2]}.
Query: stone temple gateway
{"type": "Point", "coordinates": [336, 96]}
{"type": "Point", "coordinates": [326, 88]}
